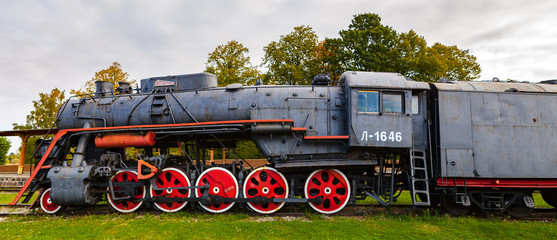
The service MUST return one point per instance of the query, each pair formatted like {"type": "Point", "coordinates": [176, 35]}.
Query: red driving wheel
{"type": "Point", "coordinates": [171, 178]}
{"type": "Point", "coordinates": [332, 185]}
{"type": "Point", "coordinates": [265, 182]}
{"type": "Point", "coordinates": [221, 183]}
{"type": "Point", "coordinates": [131, 204]}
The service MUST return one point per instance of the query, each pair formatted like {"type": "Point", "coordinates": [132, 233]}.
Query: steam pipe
{"type": "Point", "coordinates": [81, 149]}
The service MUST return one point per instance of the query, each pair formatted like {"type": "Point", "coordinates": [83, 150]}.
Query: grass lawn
{"type": "Point", "coordinates": [6, 198]}
{"type": "Point", "coordinates": [241, 226]}
{"type": "Point", "coordinates": [375, 224]}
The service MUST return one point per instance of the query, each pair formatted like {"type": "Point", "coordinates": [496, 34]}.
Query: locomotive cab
{"type": "Point", "coordinates": [382, 110]}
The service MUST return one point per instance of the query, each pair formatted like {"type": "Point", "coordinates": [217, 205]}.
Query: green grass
{"type": "Point", "coordinates": [415, 224]}
{"type": "Point", "coordinates": [6, 198]}
{"type": "Point", "coordinates": [538, 200]}
{"type": "Point", "coordinates": [240, 226]}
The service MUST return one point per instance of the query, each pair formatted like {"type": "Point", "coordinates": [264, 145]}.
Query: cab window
{"type": "Point", "coordinates": [368, 101]}
{"type": "Point", "coordinates": [392, 102]}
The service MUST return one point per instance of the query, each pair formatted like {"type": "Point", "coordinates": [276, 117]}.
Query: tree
{"type": "Point", "coordinates": [13, 158]}
{"type": "Point", "coordinates": [368, 45]}
{"type": "Point", "coordinates": [44, 111]}
{"type": "Point", "coordinates": [294, 59]}
{"type": "Point", "coordinates": [43, 115]}
{"type": "Point", "coordinates": [113, 74]}
{"type": "Point", "coordinates": [230, 63]}
{"type": "Point", "coordinates": [449, 62]}
{"type": "Point", "coordinates": [5, 145]}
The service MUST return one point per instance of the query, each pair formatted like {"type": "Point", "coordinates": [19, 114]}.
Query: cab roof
{"type": "Point", "coordinates": [496, 86]}
{"type": "Point", "coordinates": [355, 79]}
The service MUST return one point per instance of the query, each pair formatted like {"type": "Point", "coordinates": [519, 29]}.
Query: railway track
{"type": "Point", "coordinates": [539, 214]}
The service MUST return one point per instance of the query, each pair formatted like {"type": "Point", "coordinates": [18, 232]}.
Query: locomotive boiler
{"type": "Point", "coordinates": [369, 135]}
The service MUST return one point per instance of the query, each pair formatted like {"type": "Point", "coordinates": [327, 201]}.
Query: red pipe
{"type": "Point", "coordinates": [118, 140]}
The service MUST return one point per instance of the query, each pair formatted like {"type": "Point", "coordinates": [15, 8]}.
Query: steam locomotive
{"type": "Point", "coordinates": [370, 135]}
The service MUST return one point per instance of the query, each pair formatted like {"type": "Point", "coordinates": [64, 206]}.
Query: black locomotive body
{"type": "Point", "coordinates": [369, 135]}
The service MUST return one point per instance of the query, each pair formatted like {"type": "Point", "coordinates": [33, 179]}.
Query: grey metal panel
{"type": "Point", "coordinates": [511, 134]}
{"type": "Point", "coordinates": [495, 86]}
{"type": "Point", "coordinates": [514, 135]}
{"type": "Point", "coordinates": [367, 129]}
{"type": "Point", "coordinates": [455, 120]}
{"type": "Point", "coordinates": [307, 106]}
{"type": "Point", "coordinates": [455, 131]}
{"type": "Point", "coordinates": [547, 112]}
{"type": "Point", "coordinates": [459, 162]}
{"type": "Point", "coordinates": [382, 80]}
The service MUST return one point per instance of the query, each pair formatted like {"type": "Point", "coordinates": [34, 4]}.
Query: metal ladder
{"type": "Point", "coordinates": [40, 173]}
{"type": "Point", "coordinates": [419, 179]}
{"type": "Point", "coordinates": [461, 196]}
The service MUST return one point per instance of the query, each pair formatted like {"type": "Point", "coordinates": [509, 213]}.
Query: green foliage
{"type": "Point", "coordinates": [113, 74]}
{"type": "Point", "coordinates": [248, 150]}
{"type": "Point", "coordinates": [243, 149]}
{"type": "Point", "coordinates": [368, 45]}
{"type": "Point", "coordinates": [13, 158]}
{"type": "Point", "coordinates": [44, 111]}
{"type": "Point", "coordinates": [449, 62]}
{"type": "Point", "coordinates": [5, 145]}
{"type": "Point", "coordinates": [294, 59]}
{"type": "Point", "coordinates": [230, 63]}
{"type": "Point", "coordinates": [43, 116]}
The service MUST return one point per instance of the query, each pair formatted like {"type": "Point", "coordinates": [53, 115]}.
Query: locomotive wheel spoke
{"type": "Point", "coordinates": [330, 184]}
{"type": "Point", "coordinates": [265, 182]}
{"type": "Point", "coordinates": [47, 205]}
{"type": "Point", "coordinates": [171, 178]}
{"type": "Point", "coordinates": [130, 205]}
{"type": "Point", "coordinates": [221, 183]}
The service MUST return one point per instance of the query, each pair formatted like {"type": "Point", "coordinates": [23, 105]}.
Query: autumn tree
{"type": "Point", "coordinates": [43, 115]}
{"type": "Point", "coordinates": [294, 58]}
{"type": "Point", "coordinates": [113, 74]}
{"type": "Point", "coordinates": [5, 145]}
{"type": "Point", "coordinates": [231, 64]}
{"type": "Point", "coordinates": [368, 45]}
{"type": "Point", "coordinates": [13, 158]}
{"type": "Point", "coordinates": [448, 62]}
{"type": "Point", "coordinates": [44, 110]}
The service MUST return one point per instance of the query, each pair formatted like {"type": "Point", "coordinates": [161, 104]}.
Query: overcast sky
{"type": "Point", "coordinates": [61, 44]}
